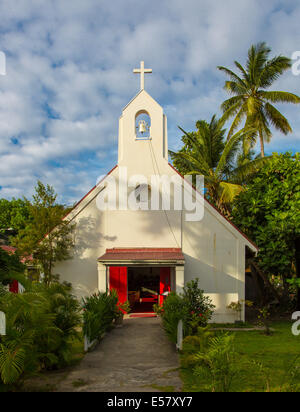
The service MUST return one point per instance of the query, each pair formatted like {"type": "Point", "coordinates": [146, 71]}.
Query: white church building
{"type": "Point", "coordinates": [136, 232]}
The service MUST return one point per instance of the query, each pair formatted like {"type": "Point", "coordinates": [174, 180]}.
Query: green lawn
{"type": "Point", "coordinates": [277, 353]}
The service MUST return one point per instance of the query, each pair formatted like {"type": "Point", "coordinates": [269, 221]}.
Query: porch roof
{"type": "Point", "coordinates": [135, 255]}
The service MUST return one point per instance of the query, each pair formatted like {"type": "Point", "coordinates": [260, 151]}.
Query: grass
{"type": "Point", "coordinates": [277, 353]}
{"type": "Point", "coordinates": [243, 325]}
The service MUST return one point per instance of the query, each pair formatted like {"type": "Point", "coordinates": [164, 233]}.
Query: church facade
{"type": "Point", "coordinates": [145, 251]}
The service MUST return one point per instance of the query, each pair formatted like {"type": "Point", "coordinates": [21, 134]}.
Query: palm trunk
{"type": "Point", "coordinates": [262, 144]}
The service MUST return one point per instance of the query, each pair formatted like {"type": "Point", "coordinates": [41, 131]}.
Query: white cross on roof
{"type": "Point", "coordinates": [142, 72]}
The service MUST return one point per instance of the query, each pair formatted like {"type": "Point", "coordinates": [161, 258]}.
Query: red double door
{"type": "Point", "coordinates": [118, 280]}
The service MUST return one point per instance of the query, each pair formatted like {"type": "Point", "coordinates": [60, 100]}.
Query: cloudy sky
{"type": "Point", "coordinates": [69, 74]}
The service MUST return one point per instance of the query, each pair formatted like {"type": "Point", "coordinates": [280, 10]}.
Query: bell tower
{"type": "Point", "coordinates": [142, 130]}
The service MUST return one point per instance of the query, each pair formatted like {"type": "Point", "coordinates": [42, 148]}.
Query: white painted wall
{"type": "Point", "coordinates": [214, 250]}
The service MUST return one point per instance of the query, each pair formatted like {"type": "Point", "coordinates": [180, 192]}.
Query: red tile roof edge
{"type": "Point", "coordinates": [143, 249]}
{"type": "Point", "coordinates": [81, 200]}
{"type": "Point", "coordinates": [12, 249]}
{"type": "Point", "coordinates": [124, 254]}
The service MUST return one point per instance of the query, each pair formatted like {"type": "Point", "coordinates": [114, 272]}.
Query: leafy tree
{"type": "Point", "coordinates": [14, 214]}
{"type": "Point", "coordinates": [207, 152]}
{"type": "Point", "coordinates": [47, 237]}
{"type": "Point", "coordinates": [251, 98]}
{"type": "Point", "coordinates": [268, 210]}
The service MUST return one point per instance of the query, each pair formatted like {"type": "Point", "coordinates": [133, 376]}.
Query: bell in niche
{"type": "Point", "coordinates": [143, 127]}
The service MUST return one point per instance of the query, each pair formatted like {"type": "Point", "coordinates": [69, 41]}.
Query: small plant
{"type": "Point", "coordinates": [264, 319]}
{"type": "Point", "coordinates": [238, 307]}
{"type": "Point", "coordinates": [158, 309]}
{"type": "Point", "coordinates": [265, 373]}
{"type": "Point", "coordinates": [122, 308]}
{"type": "Point", "coordinates": [194, 344]}
{"type": "Point", "coordinates": [218, 365]}
{"type": "Point", "coordinates": [99, 312]}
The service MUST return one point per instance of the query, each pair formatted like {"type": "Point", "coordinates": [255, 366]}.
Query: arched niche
{"type": "Point", "coordinates": [142, 125]}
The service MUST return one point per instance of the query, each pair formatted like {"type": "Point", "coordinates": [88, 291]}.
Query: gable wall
{"type": "Point", "coordinates": [214, 251]}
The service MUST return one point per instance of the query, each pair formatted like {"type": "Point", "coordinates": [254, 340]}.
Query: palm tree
{"type": "Point", "coordinates": [207, 152]}
{"type": "Point", "coordinates": [251, 100]}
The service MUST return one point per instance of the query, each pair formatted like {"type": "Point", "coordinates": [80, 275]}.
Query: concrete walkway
{"type": "Point", "coordinates": [134, 358]}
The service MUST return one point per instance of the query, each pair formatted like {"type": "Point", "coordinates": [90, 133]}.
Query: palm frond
{"type": "Point", "coordinates": [244, 172]}
{"type": "Point", "coordinates": [237, 120]}
{"type": "Point", "coordinates": [234, 101]}
{"type": "Point", "coordinates": [257, 58]}
{"type": "Point", "coordinates": [233, 76]}
{"type": "Point", "coordinates": [199, 147]}
{"type": "Point", "coordinates": [279, 97]}
{"type": "Point", "coordinates": [234, 88]}
{"type": "Point", "coordinates": [273, 69]}
{"type": "Point", "coordinates": [277, 119]}
{"type": "Point", "coordinates": [12, 360]}
{"type": "Point", "coordinates": [229, 191]}
{"type": "Point", "coordinates": [194, 163]}
{"type": "Point", "coordinates": [230, 148]}
{"type": "Point", "coordinates": [230, 112]}
{"type": "Point", "coordinates": [243, 71]}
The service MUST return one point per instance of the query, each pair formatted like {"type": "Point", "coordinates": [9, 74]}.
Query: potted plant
{"type": "Point", "coordinates": [121, 309]}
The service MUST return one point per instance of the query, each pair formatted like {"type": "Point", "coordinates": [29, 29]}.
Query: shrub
{"type": "Point", "coordinates": [199, 307]}
{"type": "Point", "coordinates": [192, 307]}
{"type": "Point", "coordinates": [100, 310]}
{"type": "Point", "coordinates": [66, 309]}
{"type": "Point", "coordinates": [40, 326]}
{"type": "Point", "coordinates": [173, 311]}
{"type": "Point", "coordinates": [194, 344]}
{"type": "Point", "coordinates": [31, 334]}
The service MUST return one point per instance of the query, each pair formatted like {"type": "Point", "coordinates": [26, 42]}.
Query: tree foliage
{"type": "Point", "coordinates": [10, 266]}
{"type": "Point", "coordinates": [47, 237]}
{"type": "Point", "coordinates": [251, 100]}
{"type": "Point", "coordinates": [268, 210]}
{"type": "Point", "coordinates": [14, 215]}
{"type": "Point", "coordinates": [221, 161]}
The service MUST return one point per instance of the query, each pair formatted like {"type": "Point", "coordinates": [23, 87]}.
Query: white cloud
{"type": "Point", "coordinates": [69, 74]}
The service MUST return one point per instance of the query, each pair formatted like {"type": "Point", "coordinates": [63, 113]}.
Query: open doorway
{"type": "Point", "coordinates": [143, 288]}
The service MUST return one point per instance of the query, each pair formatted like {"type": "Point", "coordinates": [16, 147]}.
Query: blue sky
{"type": "Point", "coordinates": [69, 74]}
